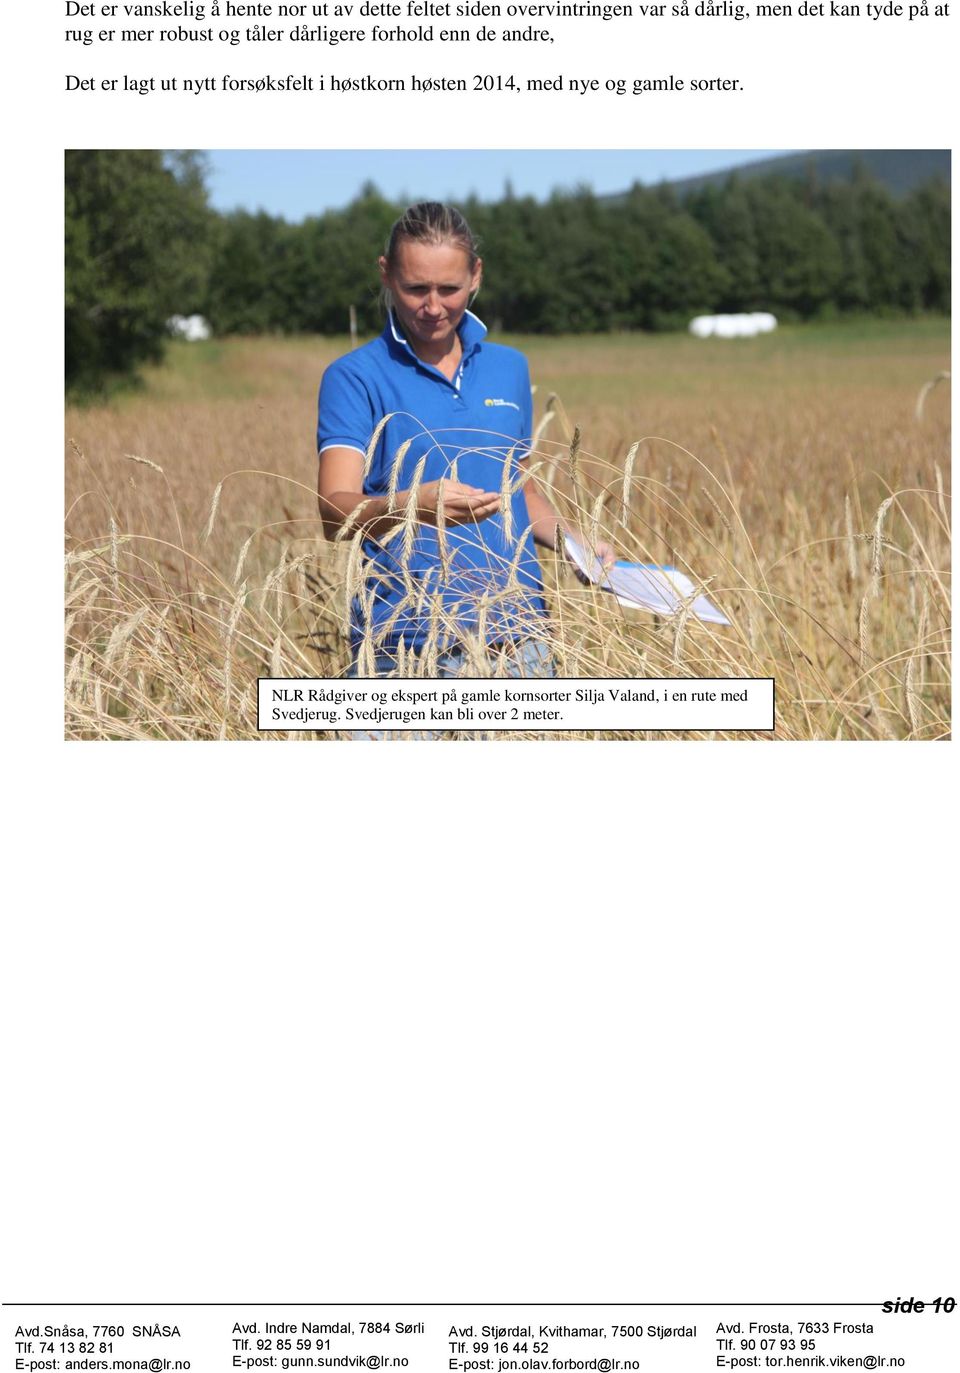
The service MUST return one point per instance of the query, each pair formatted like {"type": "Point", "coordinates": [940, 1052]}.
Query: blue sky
{"type": "Point", "coordinates": [296, 183]}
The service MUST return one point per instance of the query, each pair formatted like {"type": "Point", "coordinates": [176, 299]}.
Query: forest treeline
{"type": "Point", "coordinates": [142, 244]}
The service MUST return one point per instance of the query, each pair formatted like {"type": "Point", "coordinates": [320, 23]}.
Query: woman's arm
{"type": "Point", "coordinates": [544, 520]}
{"type": "Point", "coordinates": [340, 491]}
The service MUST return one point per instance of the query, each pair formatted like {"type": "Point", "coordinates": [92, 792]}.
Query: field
{"type": "Point", "coordinates": [802, 478]}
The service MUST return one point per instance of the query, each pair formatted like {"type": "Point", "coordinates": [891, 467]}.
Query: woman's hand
{"type": "Point", "coordinates": [461, 504]}
{"type": "Point", "coordinates": [340, 492]}
{"type": "Point", "coordinates": [607, 555]}
{"type": "Point", "coordinates": [548, 527]}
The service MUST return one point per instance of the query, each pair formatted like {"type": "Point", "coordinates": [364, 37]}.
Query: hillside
{"type": "Point", "coordinates": [901, 170]}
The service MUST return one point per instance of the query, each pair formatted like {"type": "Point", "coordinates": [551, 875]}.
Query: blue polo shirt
{"type": "Point", "coordinates": [473, 428]}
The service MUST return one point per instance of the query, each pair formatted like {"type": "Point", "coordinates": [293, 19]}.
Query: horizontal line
{"type": "Point", "coordinates": [418, 1304]}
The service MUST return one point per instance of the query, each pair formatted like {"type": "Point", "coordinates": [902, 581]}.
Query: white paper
{"type": "Point", "coordinates": [645, 586]}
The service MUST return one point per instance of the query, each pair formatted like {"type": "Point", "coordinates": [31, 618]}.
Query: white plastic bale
{"type": "Point", "coordinates": [191, 328]}
{"type": "Point", "coordinates": [701, 326]}
{"type": "Point", "coordinates": [733, 326]}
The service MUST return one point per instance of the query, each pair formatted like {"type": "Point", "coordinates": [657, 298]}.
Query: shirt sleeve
{"type": "Point", "coordinates": [345, 412]}
{"type": "Point", "coordinates": [525, 402]}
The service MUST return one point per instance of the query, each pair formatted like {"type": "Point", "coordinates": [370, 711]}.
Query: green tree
{"type": "Point", "coordinates": [138, 240]}
{"type": "Point", "coordinates": [290, 278]}
{"type": "Point", "coordinates": [725, 213]}
{"type": "Point", "coordinates": [668, 264]}
{"type": "Point", "coordinates": [580, 288]}
{"type": "Point", "coordinates": [876, 214]}
{"type": "Point", "coordinates": [923, 232]}
{"type": "Point", "coordinates": [517, 277]}
{"type": "Point", "coordinates": [799, 262]}
{"type": "Point", "coordinates": [840, 213]}
{"type": "Point", "coordinates": [244, 280]}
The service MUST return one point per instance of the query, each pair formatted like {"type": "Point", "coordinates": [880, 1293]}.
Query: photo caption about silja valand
{"type": "Point", "coordinates": [915, 1334]}
{"type": "Point", "coordinates": [480, 704]}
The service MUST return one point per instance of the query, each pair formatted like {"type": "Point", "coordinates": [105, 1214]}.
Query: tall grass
{"type": "Point", "coordinates": [837, 586]}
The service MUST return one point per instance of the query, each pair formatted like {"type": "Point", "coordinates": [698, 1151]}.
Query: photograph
{"type": "Point", "coordinates": [524, 414]}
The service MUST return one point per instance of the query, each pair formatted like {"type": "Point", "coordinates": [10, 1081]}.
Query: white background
{"type": "Point", "coordinates": [553, 1021]}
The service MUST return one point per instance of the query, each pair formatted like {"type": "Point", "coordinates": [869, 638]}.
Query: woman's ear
{"type": "Point", "coordinates": [477, 279]}
{"type": "Point", "coordinates": [384, 269]}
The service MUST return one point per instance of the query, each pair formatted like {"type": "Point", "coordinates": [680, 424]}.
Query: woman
{"type": "Point", "coordinates": [454, 420]}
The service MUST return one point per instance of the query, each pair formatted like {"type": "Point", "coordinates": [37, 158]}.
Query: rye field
{"type": "Point", "coordinates": [801, 478]}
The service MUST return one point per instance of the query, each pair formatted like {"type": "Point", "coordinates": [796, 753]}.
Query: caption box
{"type": "Point", "coordinates": [559, 704]}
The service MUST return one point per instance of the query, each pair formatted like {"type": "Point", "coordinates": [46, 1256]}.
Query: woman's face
{"type": "Point", "coordinates": [431, 286]}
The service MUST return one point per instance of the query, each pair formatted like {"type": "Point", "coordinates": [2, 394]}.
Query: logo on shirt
{"type": "Point", "coordinates": [497, 400]}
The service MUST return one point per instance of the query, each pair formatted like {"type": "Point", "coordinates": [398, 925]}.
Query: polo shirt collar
{"type": "Point", "coordinates": [471, 330]}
